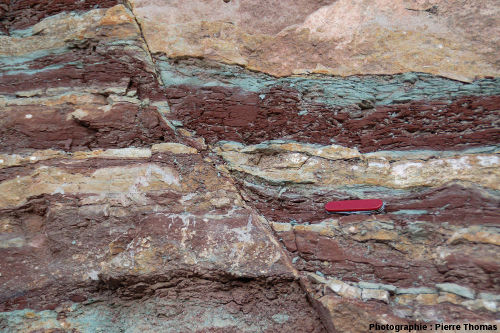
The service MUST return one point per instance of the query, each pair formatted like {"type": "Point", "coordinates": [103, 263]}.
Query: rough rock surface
{"type": "Point", "coordinates": [164, 165]}
{"type": "Point", "coordinates": [457, 39]}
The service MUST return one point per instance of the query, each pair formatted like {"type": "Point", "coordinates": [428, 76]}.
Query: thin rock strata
{"type": "Point", "coordinates": [432, 257]}
{"type": "Point", "coordinates": [112, 219]}
{"type": "Point", "coordinates": [399, 112]}
{"type": "Point", "coordinates": [171, 176]}
{"type": "Point", "coordinates": [147, 232]}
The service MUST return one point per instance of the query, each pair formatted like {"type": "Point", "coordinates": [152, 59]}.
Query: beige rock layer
{"type": "Point", "coordinates": [57, 31]}
{"type": "Point", "coordinates": [449, 38]}
{"type": "Point", "coordinates": [130, 183]}
{"type": "Point", "coordinates": [337, 166]}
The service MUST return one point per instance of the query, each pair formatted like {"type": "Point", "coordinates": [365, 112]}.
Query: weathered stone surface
{"type": "Point", "coordinates": [343, 289]}
{"type": "Point", "coordinates": [353, 315]}
{"type": "Point", "coordinates": [175, 148]}
{"type": "Point", "coordinates": [380, 295]}
{"type": "Point", "coordinates": [384, 251]}
{"type": "Point", "coordinates": [164, 165]}
{"type": "Point", "coordinates": [187, 304]}
{"type": "Point", "coordinates": [105, 189]}
{"type": "Point", "coordinates": [19, 15]}
{"type": "Point", "coordinates": [334, 37]}
{"type": "Point", "coordinates": [380, 307]}
{"type": "Point", "coordinates": [139, 230]}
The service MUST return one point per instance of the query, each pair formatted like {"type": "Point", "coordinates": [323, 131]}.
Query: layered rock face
{"type": "Point", "coordinates": [164, 165]}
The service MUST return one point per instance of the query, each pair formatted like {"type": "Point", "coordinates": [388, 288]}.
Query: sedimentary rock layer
{"type": "Point", "coordinates": [291, 181]}
{"type": "Point", "coordinates": [443, 37]}
{"type": "Point", "coordinates": [97, 209]}
{"type": "Point", "coordinates": [132, 226]}
{"type": "Point", "coordinates": [184, 304]}
{"type": "Point", "coordinates": [407, 111]}
{"type": "Point", "coordinates": [413, 272]}
{"type": "Point", "coordinates": [433, 253]}
{"type": "Point", "coordinates": [164, 167]}
{"type": "Point", "coordinates": [383, 251]}
{"type": "Point", "coordinates": [83, 87]}
{"type": "Point", "coordinates": [22, 14]}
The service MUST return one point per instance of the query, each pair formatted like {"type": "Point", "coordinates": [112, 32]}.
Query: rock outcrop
{"type": "Point", "coordinates": [164, 165]}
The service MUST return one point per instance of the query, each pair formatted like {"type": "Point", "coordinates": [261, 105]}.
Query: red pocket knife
{"type": "Point", "coordinates": [367, 206]}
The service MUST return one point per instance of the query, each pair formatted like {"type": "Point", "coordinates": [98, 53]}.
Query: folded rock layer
{"type": "Point", "coordinates": [164, 165]}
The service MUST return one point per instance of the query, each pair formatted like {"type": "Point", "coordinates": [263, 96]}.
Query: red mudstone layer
{"type": "Point", "coordinates": [87, 65]}
{"type": "Point", "coordinates": [124, 125]}
{"type": "Point", "coordinates": [218, 113]}
{"type": "Point", "coordinates": [57, 228]}
{"type": "Point", "coordinates": [454, 204]}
